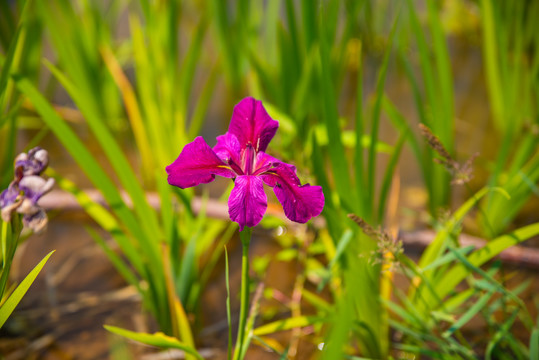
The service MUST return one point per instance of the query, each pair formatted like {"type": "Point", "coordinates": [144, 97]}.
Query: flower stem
{"type": "Point", "coordinates": [10, 239]}
{"type": "Point", "coordinates": [245, 237]}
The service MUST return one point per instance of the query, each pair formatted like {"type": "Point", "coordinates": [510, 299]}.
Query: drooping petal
{"type": "Point", "coordinates": [28, 207]}
{"type": "Point", "coordinates": [300, 202]}
{"type": "Point", "coordinates": [36, 221]}
{"type": "Point", "coordinates": [196, 164]}
{"type": "Point", "coordinates": [34, 187]}
{"type": "Point", "coordinates": [251, 123]}
{"type": "Point", "coordinates": [10, 200]}
{"type": "Point", "coordinates": [9, 195]}
{"type": "Point", "coordinates": [248, 202]}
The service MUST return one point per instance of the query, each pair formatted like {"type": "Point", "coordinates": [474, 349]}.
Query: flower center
{"type": "Point", "coordinates": [248, 159]}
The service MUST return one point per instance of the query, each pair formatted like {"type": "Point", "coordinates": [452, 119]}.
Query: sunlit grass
{"type": "Point", "coordinates": [177, 62]}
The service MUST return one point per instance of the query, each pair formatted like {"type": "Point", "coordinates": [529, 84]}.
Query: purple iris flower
{"type": "Point", "coordinates": [240, 155]}
{"type": "Point", "coordinates": [26, 189]}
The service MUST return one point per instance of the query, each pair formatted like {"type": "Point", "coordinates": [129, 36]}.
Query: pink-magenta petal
{"type": "Point", "coordinates": [251, 123]}
{"type": "Point", "coordinates": [228, 148]}
{"type": "Point", "coordinates": [264, 161]}
{"type": "Point", "coordinates": [196, 164]}
{"type": "Point", "coordinates": [300, 202]}
{"type": "Point", "coordinates": [248, 202]}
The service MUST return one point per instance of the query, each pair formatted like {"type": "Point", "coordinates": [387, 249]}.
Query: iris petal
{"type": "Point", "coordinates": [196, 164]}
{"type": "Point", "coordinates": [228, 148]}
{"type": "Point", "coordinates": [34, 187]}
{"type": "Point", "coordinates": [300, 202]}
{"type": "Point", "coordinates": [248, 202]}
{"type": "Point", "coordinates": [251, 123]}
{"type": "Point", "coordinates": [33, 163]}
{"type": "Point", "coordinates": [36, 221]}
{"type": "Point", "coordinates": [9, 201]}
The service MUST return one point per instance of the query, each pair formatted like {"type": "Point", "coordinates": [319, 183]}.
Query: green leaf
{"type": "Point", "coordinates": [494, 285]}
{"type": "Point", "coordinates": [469, 314]}
{"type": "Point", "coordinates": [157, 339]}
{"type": "Point", "coordinates": [389, 175]}
{"type": "Point", "coordinates": [146, 239]}
{"type": "Point", "coordinates": [454, 276]}
{"type": "Point", "coordinates": [17, 295]}
{"type": "Point", "coordinates": [375, 126]}
{"type": "Point", "coordinates": [286, 324]}
{"type": "Point", "coordinates": [400, 312]}
{"type": "Point", "coordinates": [78, 150]}
{"type": "Point", "coordinates": [534, 344]}
{"type": "Point", "coordinates": [490, 51]}
{"type": "Point", "coordinates": [448, 258]}
{"type": "Point", "coordinates": [228, 312]}
{"type": "Point", "coordinates": [116, 260]}
{"type": "Point", "coordinates": [337, 155]}
{"type": "Point", "coordinates": [436, 247]}
{"type": "Point", "coordinates": [102, 217]}
{"type": "Point", "coordinates": [318, 302]}
{"type": "Point", "coordinates": [341, 246]}
{"type": "Point", "coordinates": [120, 164]}
{"type": "Point", "coordinates": [445, 90]}
{"type": "Point", "coordinates": [501, 335]}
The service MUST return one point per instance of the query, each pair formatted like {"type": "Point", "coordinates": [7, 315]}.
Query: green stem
{"type": "Point", "coordinates": [245, 237]}
{"type": "Point", "coordinates": [10, 239]}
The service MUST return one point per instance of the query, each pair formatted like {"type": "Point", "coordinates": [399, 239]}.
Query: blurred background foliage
{"type": "Point", "coordinates": [124, 85]}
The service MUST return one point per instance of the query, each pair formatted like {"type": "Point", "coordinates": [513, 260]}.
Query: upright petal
{"type": "Point", "coordinates": [33, 163]}
{"type": "Point", "coordinates": [251, 123]}
{"type": "Point", "coordinates": [300, 202]}
{"type": "Point", "coordinates": [196, 164]}
{"type": "Point", "coordinates": [228, 149]}
{"type": "Point", "coordinates": [248, 202]}
{"type": "Point", "coordinates": [265, 162]}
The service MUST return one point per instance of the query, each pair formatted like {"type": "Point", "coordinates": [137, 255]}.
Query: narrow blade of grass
{"type": "Point", "coordinates": [331, 120]}
{"type": "Point", "coordinates": [489, 42]}
{"type": "Point", "coordinates": [133, 111]}
{"type": "Point", "coordinates": [534, 344]}
{"type": "Point", "coordinates": [454, 276]}
{"type": "Point", "coordinates": [9, 305]}
{"type": "Point", "coordinates": [286, 324]}
{"type": "Point", "coordinates": [469, 314]}
{"type": "Point", "coordinates": [375, 125]}
{"type": "Point", "coordinates": [228, 312]}
{"type": "Point", "coordinates": [158, 339]}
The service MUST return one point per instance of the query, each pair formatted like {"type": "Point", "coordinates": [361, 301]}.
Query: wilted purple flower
{"type": "Point", "coordinates": [240, 154]}
{"type": "Point", "coordinates": [26, 189]}
{"type": "Point", "coordinates": [33, 163]}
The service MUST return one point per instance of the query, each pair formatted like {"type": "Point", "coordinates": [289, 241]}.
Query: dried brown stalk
{"type": "Point", "coordinates": [462, 173]}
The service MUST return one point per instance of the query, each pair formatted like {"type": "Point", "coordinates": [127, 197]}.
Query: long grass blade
{"type": "Point", "coordinates": [469, 314]}
{"type": "Point", "coordinates": [158, 339]}
{"type": "Point", "coordinates": [286, 324]}
{"type": "Point", "coordinates": [534, 344]}
{"type": "Point", "coordinates": [133, 111]}
{"type": "Point", "coordinates": [375, 125]}
{"type": "Point", "coordinates": [9, 305]}
{"type": "Point", "coordinates": [454, 276]}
